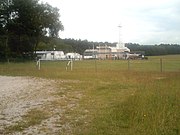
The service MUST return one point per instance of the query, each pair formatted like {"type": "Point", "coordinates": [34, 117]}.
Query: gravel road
{"type": "Point", "coordinates": [18, 95]}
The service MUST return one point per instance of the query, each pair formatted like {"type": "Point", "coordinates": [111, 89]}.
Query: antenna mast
{"type": "Point", "coordinates": [119, 33]}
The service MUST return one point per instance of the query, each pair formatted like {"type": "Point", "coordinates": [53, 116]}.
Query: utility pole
{"type": "Point", "coordinates": [120, 33]}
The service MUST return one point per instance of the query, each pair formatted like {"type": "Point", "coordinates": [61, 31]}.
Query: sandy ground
{"type": "Point", "coordinates": [18, 95]}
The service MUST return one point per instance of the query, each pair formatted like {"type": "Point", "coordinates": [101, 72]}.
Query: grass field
{"type": "Point", "coordinates": [118, 99]}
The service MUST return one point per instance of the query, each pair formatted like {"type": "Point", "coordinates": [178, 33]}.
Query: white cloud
{"type": "Point", "coordinates": [143, 21]}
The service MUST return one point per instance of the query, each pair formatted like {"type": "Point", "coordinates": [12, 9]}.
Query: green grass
{"type": "Point", "coordinates": [142, 104]}
{"type": "Point", "coordinates": [117, 101]}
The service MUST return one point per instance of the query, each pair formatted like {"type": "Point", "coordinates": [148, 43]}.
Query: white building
{"type": "Point", "coordinates": [108, 52]}
{"type": "Point", "coordinates": [90, 53]}
{"type": "Point", "coordinates": [74, 56]}
{"type": "Point", "coordinates": [50, 55]}
{"type": "Point", "coordinates": [57, 55]}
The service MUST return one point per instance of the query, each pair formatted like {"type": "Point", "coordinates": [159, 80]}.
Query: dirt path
{"type": "Point", "coordinates": [19, 95]}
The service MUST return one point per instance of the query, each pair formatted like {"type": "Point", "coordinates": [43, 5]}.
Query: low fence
{"type": "Point", "coordinates": [159, 64]}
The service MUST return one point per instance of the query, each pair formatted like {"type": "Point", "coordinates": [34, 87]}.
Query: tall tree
{"type": "Point", "coordinates": [4, 20]}
{"type": "Point", "coordinates": [26, 21]}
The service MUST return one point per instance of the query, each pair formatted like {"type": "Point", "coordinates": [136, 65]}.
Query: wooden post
{"type": "Point", "coordinates": [39, 64]}
{"type": "Point", "coordinates": [128, 64]}
{"type": "Point", "coordinates": [161, 65]}
{"type": "Point", "coordinates": [95, 65]}
{"type": "Point", "coordinates": [71, 64]}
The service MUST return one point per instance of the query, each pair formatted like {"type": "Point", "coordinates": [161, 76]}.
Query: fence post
{"type": "Point", "coordinates": [161, 65]}
{"type": "Point", "coordinates": [39, 64]}
{"type": "Point", "coordinates": [128, 64]}
{"type": "Point", "coordinates": [71, 64]}
{"type": "Point", "coordinates": [95, 64]}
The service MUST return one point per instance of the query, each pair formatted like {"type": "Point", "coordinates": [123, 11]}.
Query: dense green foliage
{"type": "Point", "coordinates": [79, 46]}
{"type": "Point", "coordinates": [23, 23]}
{"type": "Point", "coordinates": [152, 50]}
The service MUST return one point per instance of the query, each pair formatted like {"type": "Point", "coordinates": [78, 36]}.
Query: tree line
{"type": "Point", "coordinates": [79, 46]}
{"type": "Point", "coordinates": [23, 24]}
{"type": "Point", "coordinates": [154, 50]}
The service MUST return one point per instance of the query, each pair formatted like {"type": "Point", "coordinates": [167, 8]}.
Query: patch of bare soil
{"type": "Point", "coordinates": [19, 95]}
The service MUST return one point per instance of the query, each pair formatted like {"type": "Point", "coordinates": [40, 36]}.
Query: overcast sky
{"type": "Point", "coordinates": [142, 21]}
